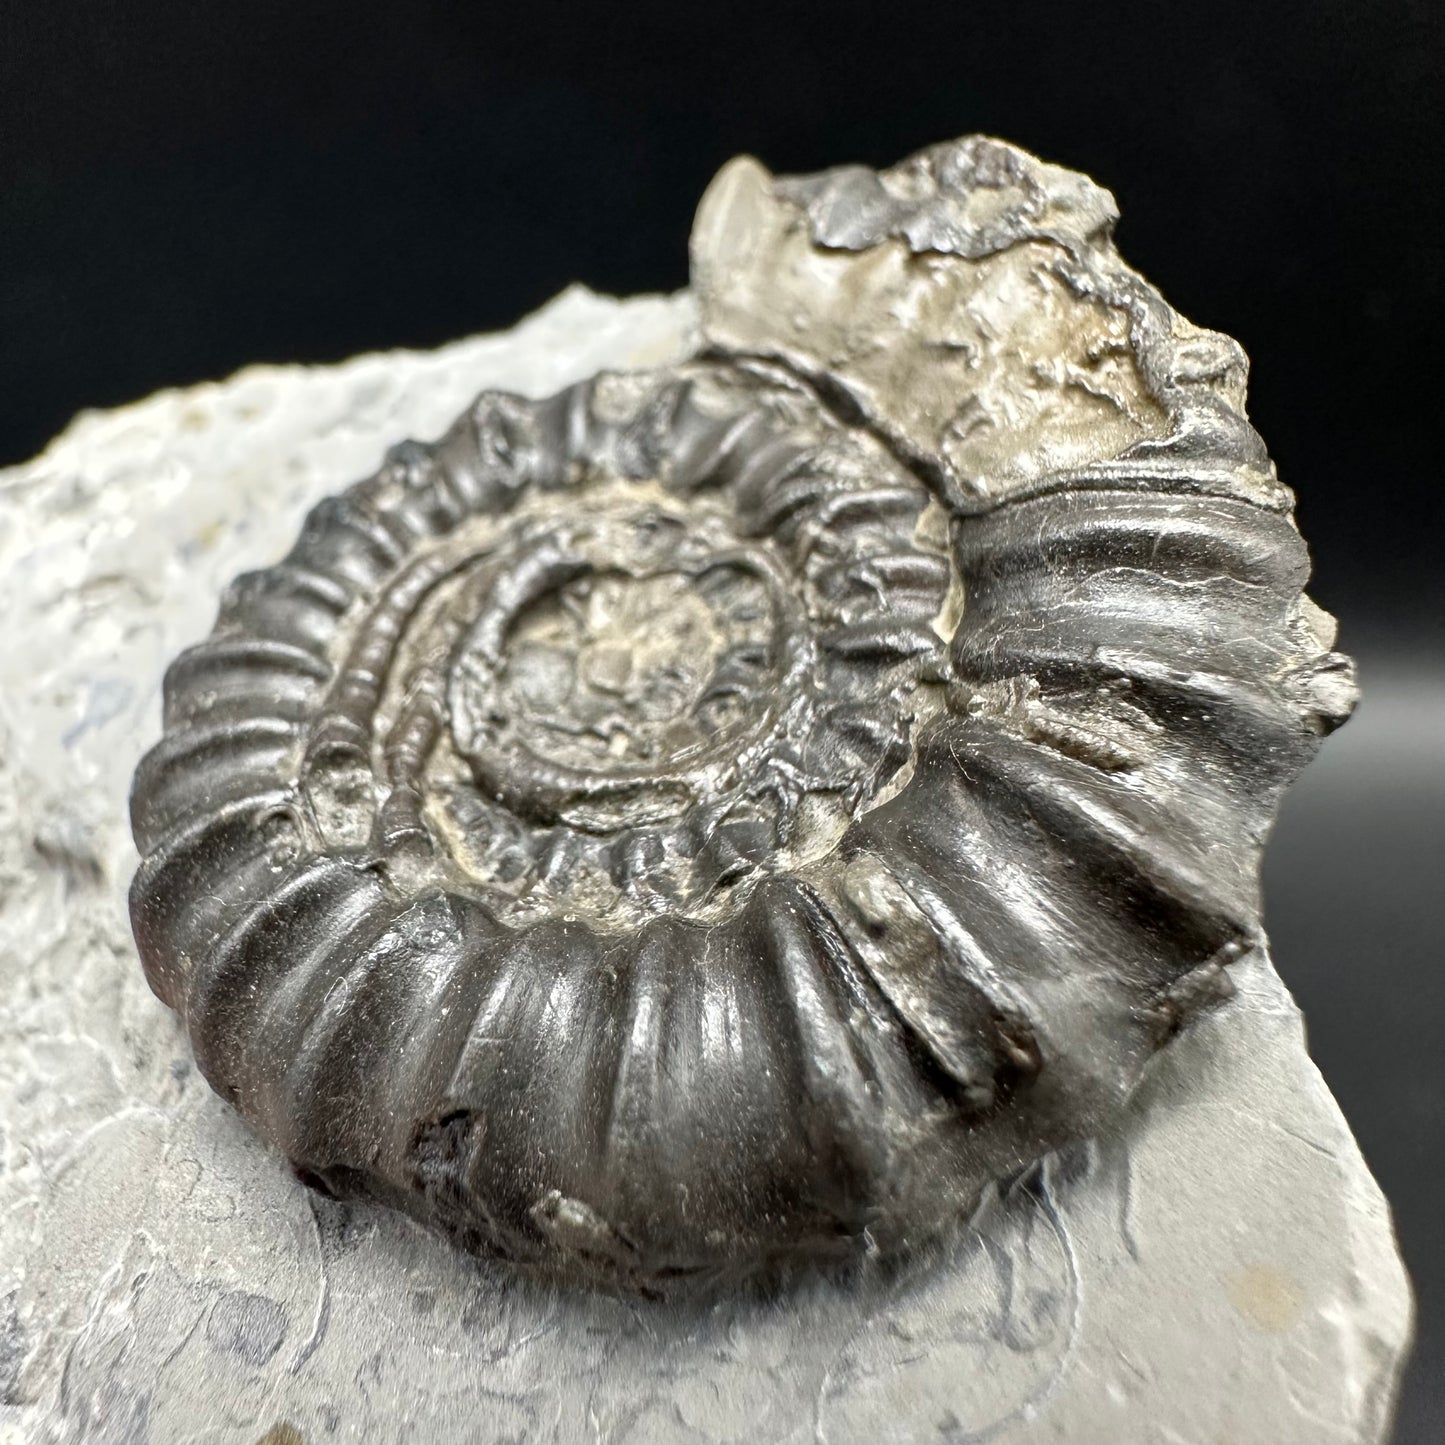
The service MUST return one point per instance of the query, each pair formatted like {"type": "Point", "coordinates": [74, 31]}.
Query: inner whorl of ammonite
{"type": "Point", "coordinates": [637, 706]}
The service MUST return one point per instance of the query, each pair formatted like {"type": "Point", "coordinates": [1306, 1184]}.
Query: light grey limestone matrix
{"type": "Point", "coordinates": [1218, 1263]}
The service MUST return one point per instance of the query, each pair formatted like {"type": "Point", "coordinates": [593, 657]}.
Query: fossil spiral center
{"type": "Point", "coordinates": [621, 672]}
{"type": "Point", "coordinates": [690, 677]}
{"type": "Point", "coordinates": [591, 669]}
{"type": "Point", "coordinates": [595, 676]}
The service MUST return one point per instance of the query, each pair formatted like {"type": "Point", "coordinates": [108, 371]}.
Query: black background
{"type": "Point", "coordinates": [186, 187]}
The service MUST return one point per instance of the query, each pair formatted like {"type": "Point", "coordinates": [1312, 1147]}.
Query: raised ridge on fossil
{"type": "Point", "coordinates": [727, 815]}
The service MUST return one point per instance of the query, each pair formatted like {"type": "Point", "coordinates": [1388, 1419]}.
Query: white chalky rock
{"type": "Point", "coordinates": [1218, 1266]}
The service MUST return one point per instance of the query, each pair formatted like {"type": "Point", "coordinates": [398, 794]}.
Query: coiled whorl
{"type": "Point", "coordinates": [727, 815]}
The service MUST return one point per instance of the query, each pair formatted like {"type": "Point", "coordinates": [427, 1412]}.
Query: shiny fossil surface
{"type": "Point", "coordinates": [735, 813]}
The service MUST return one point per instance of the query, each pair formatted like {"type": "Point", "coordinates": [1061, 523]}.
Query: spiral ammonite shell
{"type": "Point", "coordinates": [727, 815]}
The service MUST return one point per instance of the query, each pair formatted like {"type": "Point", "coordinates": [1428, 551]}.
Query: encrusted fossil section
{"type": "Point", "coordinates": [725, 816]}
{"type": "Point", "coordinates": [970, 304]}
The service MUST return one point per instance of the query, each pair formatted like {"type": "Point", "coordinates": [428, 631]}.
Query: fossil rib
{"type": "Point", "coordinates": [728, 814]}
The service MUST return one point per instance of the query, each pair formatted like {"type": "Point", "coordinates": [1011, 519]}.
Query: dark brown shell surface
{"type": "Point", "coordinates": [695, 823]}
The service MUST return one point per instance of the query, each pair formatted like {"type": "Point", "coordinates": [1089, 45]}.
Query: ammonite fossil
{"type": "Point", "coordinates": [726, 815]}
